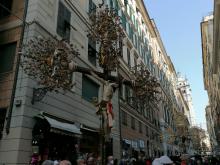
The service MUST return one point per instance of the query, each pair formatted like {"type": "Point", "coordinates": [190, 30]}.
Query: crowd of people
{"type": "Point", "coordinates": [91, 159]}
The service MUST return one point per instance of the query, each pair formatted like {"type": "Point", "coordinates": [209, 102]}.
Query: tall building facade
{"type": "Point", "coordinates": [210, 76]}
{"type": "Point", "coordinates": [210, 127]}
{"type": "Point", "coordinates": [185, 89]}
{"type": "Point", "coordinates": [63, 124]}
{"type": "Point", "coordinates": [11, 32]}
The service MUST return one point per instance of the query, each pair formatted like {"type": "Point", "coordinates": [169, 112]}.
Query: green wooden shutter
{"type": "Point", "coordinates": [92, 6]}
{"type": "Point", "coordinates": [111, 4]}
{"type": "Point", "coordinates": [7, 54]}
{"type": "Point", "coordinates": [90, 89]}
{"type": "Point", "coordinates": [92, 51]}
{"type": "Point", "coordinates": [2, 120]}
{"type": "Point", "coordinates": [63, 21]}
{"type": "Point", "coordinates": [123, 18]}
{"type": "Point", "coordinates": [7, 4]}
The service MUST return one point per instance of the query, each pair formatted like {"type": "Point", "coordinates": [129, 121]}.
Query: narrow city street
{"type": "Point", "coordinates": [109, 82]}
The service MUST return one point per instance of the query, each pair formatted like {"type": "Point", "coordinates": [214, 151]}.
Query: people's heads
{"type": "Point", "coordinates": [81, 162]}
{"type": "Point", "coordinates": [65, 162]}
{"type": "Point", "coordinates": [110, 159]}
{"type": "Point", "coordinates": [91, 161]}
{"type": "Point", "coordinates": [47, 162]}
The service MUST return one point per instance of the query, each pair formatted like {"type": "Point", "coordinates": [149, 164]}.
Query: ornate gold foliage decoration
{"type": "Point", "coordinates": [49, 61]}
{"type": "Point", "coordinates": [107, 32]}
{"type": "Point", "coordinates": [146, 86]}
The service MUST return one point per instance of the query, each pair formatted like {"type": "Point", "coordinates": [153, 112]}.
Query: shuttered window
{"type": "Point", "coordinates": [63, 21]}
{"type": "Point", "coordinates": [92, 52]}
{"type": "Point", "coordinates": [128, 57]}
{"type": "Point", "coordinates": [90, 89]}
{"type": "Point", "coordinates": [111, 4]}
{"type": "Point", "coordinates": [2, 120]}
{"type": "Point", "coordinates": [116, 6]}
{"type": "Point", "coordinates": [92, 6]}
{"type": "Point", "coordinates": [7, 54]}
{"type": "Point", "coordinates": [140, 127]}
{"type": "Point", "coordinates": [131, 32]}
{"type": "Point", "coordinates": [124, 118]}
{"type": "Point", "coordinates": [133, 123]}
{"type": "Point", "coordinates": [8, 5]}
{"type": "Point", "coordinates": [123, 18]}
{"type": "Point", "coordinates": [146, 131]}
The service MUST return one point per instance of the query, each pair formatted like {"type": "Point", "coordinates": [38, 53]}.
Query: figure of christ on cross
{"type": "Point", "coordinates": [104, 107]}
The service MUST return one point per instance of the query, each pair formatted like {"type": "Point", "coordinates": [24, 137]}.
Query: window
{"type": "Point", "coordinates": [2, 120]}
{"type": "Point", "coordinates": [7, 54]}
{"type": "Point", "coordinates": [133, 123]}
{"type": "Point", "coordinates": [116, 6]}
{"type": "Point", "coordinates": [146, 131]}
{"type": "Point", "coordinates": [131, 32]}
{"type": "Point", "coordinates": [111, 4]}
{"type": "Point", "coordinates": [128, 57]}
{"type": "Point", "coordinates": [63, 21]}
{"type": "Point", "coordinates": [8, 5]}
{"type": "Point", "coordinates": [92, 6]}
{"type": "Point", "coordinates": [123, 18]}
{"type": "Point", "coordinates": [121, 91]}
{"type": "Point", "coordinates": [92, 52]}
{"type": "Point", "coordinates": [124, 118]}
{"type": "Point", "coordinates": [90, 89]}
{"type": "Point", "coordinates": [140, 127]}
{"type": "Point", "coordinates": [127, 94]}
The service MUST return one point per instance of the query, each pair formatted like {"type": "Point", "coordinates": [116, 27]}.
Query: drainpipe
{"type": "Point", "coordinates": [16, 70]}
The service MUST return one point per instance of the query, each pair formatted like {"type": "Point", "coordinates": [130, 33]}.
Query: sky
{"type": "Point", "coordinates": [178, 22]}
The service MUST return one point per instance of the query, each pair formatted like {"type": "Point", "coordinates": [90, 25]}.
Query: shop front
{"type": "Point", "coordinates": [133, 148]}
{"type": "Point", "coordinates": [55, 139]}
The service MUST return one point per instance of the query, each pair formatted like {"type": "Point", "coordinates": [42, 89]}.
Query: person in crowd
{"type": "Point", "coordinates": [116, 162]}
{"type": "Point", "coordinates": [91, 161]}
{"type": "Point", "coordinates": [110, 160]}
{"type": "Point", "coordinates": [47, 162]}
{"type": "Point", "coordinates": [148, 161]}
{"type": "Point", "coordinates": [81, 162]}
{"type": "Point", "coordinates": [65, 162]}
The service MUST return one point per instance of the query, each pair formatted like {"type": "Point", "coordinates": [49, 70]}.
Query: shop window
{"type": "Point", "coordinates": [63, 21]}
{"type": "Point", "coordinates": [124, 118]}
{"type": "Point", "coordinates": [2, 120]}
{"type": "Point", "coordinates": [92, 6]}
{"type": "Point", "coordinates": [90, 89]}
{"type": "Point", "coordinates": [92, 52]}
{"type": "Point", "coordinates": [4, 12]}
{"type": "Point", "coordinates": [133, 123]}
{"type": "Point", "coordinates": [7, 54]}
{"type": "Point", "coordinates": [140, 127]}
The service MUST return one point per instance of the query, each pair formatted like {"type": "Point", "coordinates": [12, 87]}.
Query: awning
{"type": "Point", "coordinates": [87, 128]}
{"type": "Point", "coordinates": [59, 126]}
{"type": "Point", "coordinates": [63, 126]}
